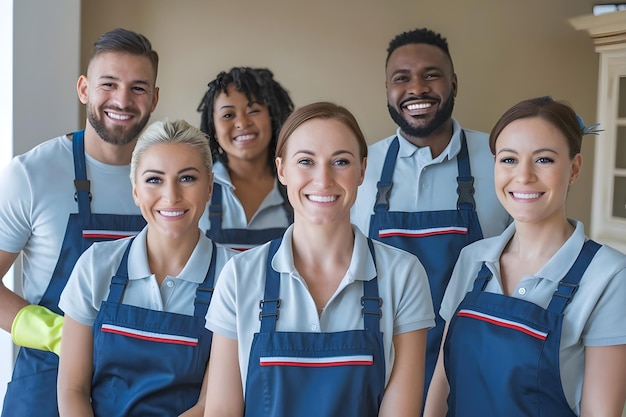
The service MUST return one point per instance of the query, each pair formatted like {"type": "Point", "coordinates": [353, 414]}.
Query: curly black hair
{"type": "Point", "coordinates": [421, 35]}
{"type": "Point", "coordinates": [258, 85]}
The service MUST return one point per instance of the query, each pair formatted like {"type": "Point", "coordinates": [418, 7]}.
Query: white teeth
{"type": "Point", "coordinates": [118, 116]}
{"type": "Point", "coordinates": [322, 198]}
{"type": "Point", "coordinates": [526, 196]}
{"type": "Point", "coordinates": [171, 213]}
{"type": "Point", "coordinates": [419, 106]}
{"type": "Point", "coordinates": [244, 138]}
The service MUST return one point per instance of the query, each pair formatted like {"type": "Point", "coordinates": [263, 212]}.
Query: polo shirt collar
{"type": "Point", "coordinates": [194, 271]}
{"type": "Point", "coordinates": [408, 149]}
{"type": "Point", "coordinates": [220, 175]}
{"type": "Point", "coordinates": [361, 267]}
{"type": "Point", "coordinates": [555, 269]}
{"type": "Point", "coordinates": [561, 262]}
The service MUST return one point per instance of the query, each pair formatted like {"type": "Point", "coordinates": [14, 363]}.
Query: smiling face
{"type": "Point", "coordinates": [533, 170]}
{"type": "Point", "coordinates": [421, 87]}
{"type": "Point", "coordinates": [172, 187]}
{"type": "Point", "coordinates": [322, 169]}
{"type": "Point", "coordinates": [243, 129]}
{"type": "Point", "coordinates": [120, 94]}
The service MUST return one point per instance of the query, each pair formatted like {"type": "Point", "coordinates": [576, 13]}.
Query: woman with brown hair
{"type": "Point", "coordinates": [323, 322]}
{"type": "Point", "coordinates": [535, 316]}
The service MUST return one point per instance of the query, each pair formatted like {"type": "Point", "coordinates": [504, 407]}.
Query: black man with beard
{"type": "Point", "coordinates": [429, 188]}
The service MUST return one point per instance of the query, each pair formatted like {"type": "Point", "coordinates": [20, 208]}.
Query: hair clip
{"type": "Point", "coordinates": [588, 130]}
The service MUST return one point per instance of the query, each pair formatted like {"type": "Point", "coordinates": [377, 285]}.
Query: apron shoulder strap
{"type": "Point", "coordinates": [270, 303]}
{"type": "Point", "coordinates": [215, 208]}
{"type": "Point", "coordinates": [569, 284]}
{"type": "Point", "coordinates": [482, 278]}
{"type": "Point", "coordinates": [120, 279]}
{"type": "Point", "coordinates": [386, 177]}
{"type": "Point", "coordinates": [465, 180]}
{"type": "Point", "coordinates": [370, 301]}
{"type": "Point", "coordinates": [82, 184]}
{"type": "Point", "coordinates": [204, 292]}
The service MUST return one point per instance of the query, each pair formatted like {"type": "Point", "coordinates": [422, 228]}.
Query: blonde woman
{"type": "Point", "coordinates": [134, 342]}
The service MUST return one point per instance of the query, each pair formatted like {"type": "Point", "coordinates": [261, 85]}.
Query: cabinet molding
{"type": "Point", "coordinates": [608, 209]}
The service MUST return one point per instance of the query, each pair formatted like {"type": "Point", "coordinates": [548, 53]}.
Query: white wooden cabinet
{"type": "Point", "coordinates": [608, 209]}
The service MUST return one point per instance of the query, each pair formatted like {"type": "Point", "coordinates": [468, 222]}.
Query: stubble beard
{"type": "Point", "coordinates": [117, 135]}
{"type": "Point", "coordinates": [443, 114]}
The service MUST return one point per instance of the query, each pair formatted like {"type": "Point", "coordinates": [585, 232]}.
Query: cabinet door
{"type": "Point", "coordinates": [609, 192]}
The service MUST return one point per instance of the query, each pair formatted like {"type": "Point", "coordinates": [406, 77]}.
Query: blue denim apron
{"type": "Point", "coordinates": [435, 237]}
{"type": "Point", "coordinates": [148, 362]}
{"type": "Point", "coordinates": [315, 374]}
{"type": "Point", "coordinates": [32, 390]}
{"type": "Point", "coordinates": [240, 239]}
{"type": "Point", "coordinates": [501, 353]}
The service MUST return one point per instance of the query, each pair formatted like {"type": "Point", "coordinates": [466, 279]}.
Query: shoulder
{"type": "Point", "coordinates": [252, 259]}
{"type": "Point", "coordinates": [472, 257]}
{"type": "Point", "coordinates": [484, 250]}
{"type": "Point", "coordinates": [609, 259]}
{"type": "Point", "coordinates": [55, 154]}
{"type": "Point", "coordinates": [397, 263]}
{"type": "Point", "coordinates": [475, 135]}
{"type": "Point", "coordinates": [376, 154]}
{"type": "Point", "coordinates": [609, 252]}
{"type": "Point", "coordinates": [478, 144]}
{"type": "Point", "coordinates": [107, 248]}
{"type": "Point", "coordinates": [477, 140]}
{"type": "Point", "coordinates": [224, 251]}
{"type": "Point", "coordinates": [487, 249]}
{"type": "Point", "coordinates": [381, 144]}
{"type": "Point", "coordinates": [50, 149]}
{"type": "Point", "coordinates": [99, 260]}
{"type": "Point", "coordinates": [392, 253]}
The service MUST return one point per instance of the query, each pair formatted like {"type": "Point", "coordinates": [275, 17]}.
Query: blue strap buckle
{"type": "Point", "coordinates": [82, 185]}
{"type": "Point", "coordinates": [267, 314]}
{"type": "Point", "coordinates": [568, 289]}
{"type": "Point", "coordinates": [465, 190]}
{"type": "Point", "coordinates": [370, 301]}
{"type": "Point", "coordinates": [382, 196]}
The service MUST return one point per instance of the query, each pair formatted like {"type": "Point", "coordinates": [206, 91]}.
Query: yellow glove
{"type": "Point", "coordinates": [37, 327]}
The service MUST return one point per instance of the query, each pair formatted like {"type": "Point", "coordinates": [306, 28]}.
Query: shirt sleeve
{"type": "Point", "coordinates": [606, 325]}
{"type": "Point", "coordinates": [221, 317]}
{"type": "Point", "coordinates": [461, 280]}
{"type": "Point", "coordinates": [77, 298]}
{"type": "Point", "coordinates": [415, 308]}
{"type": "Point", "coordinates": [15, 207]}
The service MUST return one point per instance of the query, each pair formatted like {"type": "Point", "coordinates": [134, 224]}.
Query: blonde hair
{"type": "Point", "coordinates": [166, 132]}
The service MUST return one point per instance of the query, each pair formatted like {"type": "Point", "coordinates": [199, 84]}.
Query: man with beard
{"type": "Point", "coordinates": [62, 196]}
{"type": "Point", "coordinates": [429, 188]}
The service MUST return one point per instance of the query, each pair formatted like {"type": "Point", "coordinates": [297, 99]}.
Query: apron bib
{"type": "Point", "coordinates": [315, 374]}
{"type": "Point", "coordinates": [239, 239]}
{"type": "Point", "coordinates": [435, 237]}
{"type": "Point", "coordinates": [147, 362]}
{"type": "Point", "coordinates": [501, 354]}
{"type": "Point", "coordinates": [32, 390]}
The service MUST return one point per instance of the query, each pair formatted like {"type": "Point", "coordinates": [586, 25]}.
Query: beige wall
{"type": "Point", "coordinates": [504, 51]}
